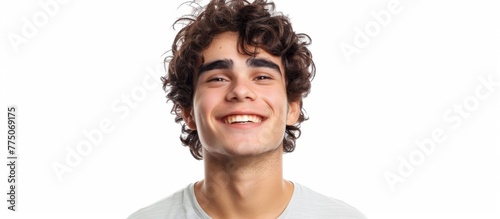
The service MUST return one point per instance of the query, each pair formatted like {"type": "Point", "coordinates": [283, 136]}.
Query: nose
{"type": "Point", "coordinates": [241, 90]}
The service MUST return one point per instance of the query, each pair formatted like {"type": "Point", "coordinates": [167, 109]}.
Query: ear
{"type": "Point", "coordinates": [187, 115]}
{"type": "Point", "coordinates": [293, 112]}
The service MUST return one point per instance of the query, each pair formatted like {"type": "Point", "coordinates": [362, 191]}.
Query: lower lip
{"type": "Point", "coordinates": [243, 125]}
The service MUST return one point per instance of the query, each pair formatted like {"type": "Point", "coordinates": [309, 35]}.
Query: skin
{"type": "Point", "coordinates": [243, 161]}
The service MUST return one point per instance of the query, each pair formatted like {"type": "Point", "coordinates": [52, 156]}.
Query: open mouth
{"type": "Point", "coordinates": [241, 119]}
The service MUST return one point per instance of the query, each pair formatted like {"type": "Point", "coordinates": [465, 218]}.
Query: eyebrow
{"type": "Point", "coordinates": [217, 64]}
{"type": "Point", "coordinates": [259, 62]}
{"type": "Point", "coordinates": [228, 64]}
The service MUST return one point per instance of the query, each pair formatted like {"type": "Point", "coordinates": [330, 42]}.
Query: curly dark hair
{"type": "Point", "coordinates": [258, 25]}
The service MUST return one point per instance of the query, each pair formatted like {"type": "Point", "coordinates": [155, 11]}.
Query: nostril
{"type": "Point", "coordinates": [240, 91]}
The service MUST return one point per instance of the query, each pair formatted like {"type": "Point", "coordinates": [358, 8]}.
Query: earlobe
{"type": "Point", "coordinates": [188, 117]}
{"type": "Point", "coordinates": [293, 112]}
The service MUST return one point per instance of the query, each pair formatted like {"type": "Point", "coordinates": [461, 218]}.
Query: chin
{"type": "Point", "coordinates": [242, 148]}
{"type": "Point", "coordinates": [245, 150]}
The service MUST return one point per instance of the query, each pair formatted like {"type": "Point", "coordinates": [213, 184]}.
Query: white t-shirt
{"type": "Point", "coordinates": [305, 203]}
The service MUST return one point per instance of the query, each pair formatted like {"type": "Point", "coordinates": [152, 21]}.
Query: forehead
{"type": "Point", "coordinates": [225, 46]}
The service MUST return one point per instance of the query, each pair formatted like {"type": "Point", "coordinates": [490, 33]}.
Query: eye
{"type": "Point", "coordinates": [216, 79]}
{"type": "Point", "coordinates": [263, 77]}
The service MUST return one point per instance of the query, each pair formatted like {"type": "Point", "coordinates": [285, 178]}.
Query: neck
{"type": "Point", "coordinates": [244, 187]}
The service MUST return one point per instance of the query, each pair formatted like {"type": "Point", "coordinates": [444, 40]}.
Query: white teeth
{"type": "Point", "coordinates": [242, 119]}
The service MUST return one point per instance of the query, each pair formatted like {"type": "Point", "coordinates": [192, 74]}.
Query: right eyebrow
{"type": "Point", "coordinates": [217, 64]}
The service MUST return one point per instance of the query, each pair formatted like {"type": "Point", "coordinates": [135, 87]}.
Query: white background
{"type": "Point", "coordinates": [75, 70]}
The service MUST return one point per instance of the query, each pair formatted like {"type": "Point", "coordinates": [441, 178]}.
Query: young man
{"type": "Point", "coordinates": [237, 76]}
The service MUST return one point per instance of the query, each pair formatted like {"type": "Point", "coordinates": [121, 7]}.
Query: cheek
{"type": "Point", "coordinates": [279, 107]}
{"type": "Point", "coordinates": [198, 106]}
{"type": "Point", "coordinates": [277, 100]}
{"type": "Point", "coordinates": [203, 105]}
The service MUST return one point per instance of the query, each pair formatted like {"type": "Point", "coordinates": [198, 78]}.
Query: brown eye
{"type": "Point", "coordinates": [262, 77]}
{"type": "Point", "coordinates": [216, 80]}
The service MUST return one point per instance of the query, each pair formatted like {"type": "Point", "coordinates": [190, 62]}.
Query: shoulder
{"type": "Point", "coordinates": [311, 204]}
{"type": "Point", "coordinates": [172, 206]}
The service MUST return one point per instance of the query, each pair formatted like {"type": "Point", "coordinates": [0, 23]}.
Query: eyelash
{"type": "Point", "coordinates": [263, 77]}
{"type": "Point", "coordinates": [217, 79]}
{"type": "Point", "coordinates": [221, 79]}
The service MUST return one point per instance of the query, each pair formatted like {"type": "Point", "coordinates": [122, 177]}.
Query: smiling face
{"type": "Point", "coordinates": [240, 105]}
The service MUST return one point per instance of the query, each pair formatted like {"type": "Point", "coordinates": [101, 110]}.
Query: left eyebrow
{"type": "Point", "coordinates": [259, 62]}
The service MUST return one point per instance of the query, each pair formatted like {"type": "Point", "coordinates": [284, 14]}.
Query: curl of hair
{"type": "Point", "coordinates": [258, 26]}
